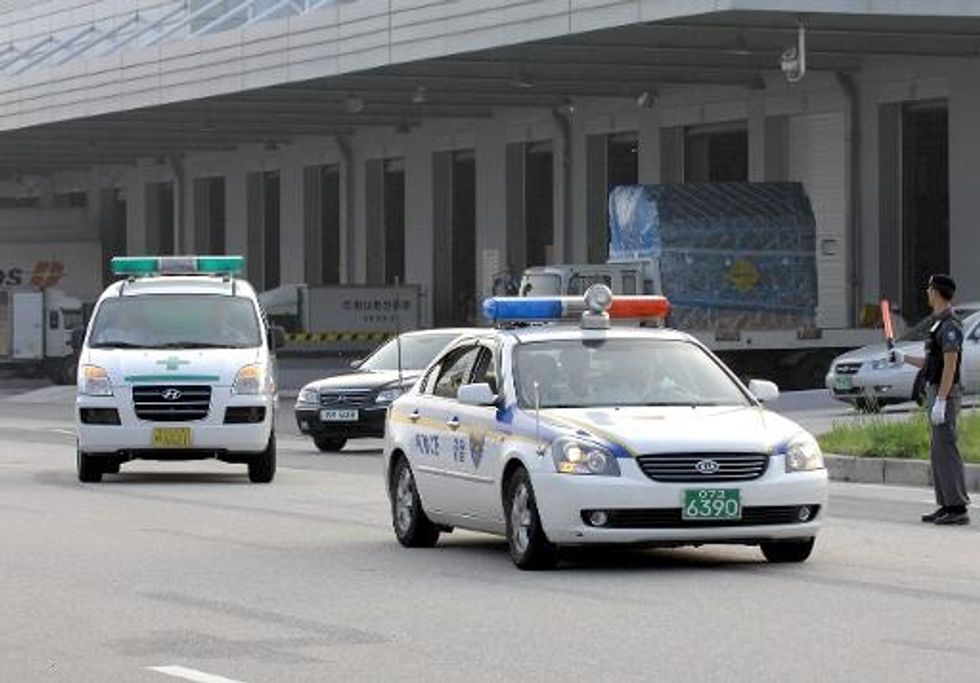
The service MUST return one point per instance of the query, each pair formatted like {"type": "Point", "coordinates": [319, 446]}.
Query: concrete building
{"type": "Point", "coordinates": [360, 141]}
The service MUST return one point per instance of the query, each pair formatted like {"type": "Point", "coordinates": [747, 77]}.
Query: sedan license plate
{"type": "Point", "coordinates": [843, 383]}
{"type": "Point", "coordinates": [712, 504]}
{"type": "Point", "coordinates": [339, 415]}
{"type": "Point", "coordinates": [171, 437]}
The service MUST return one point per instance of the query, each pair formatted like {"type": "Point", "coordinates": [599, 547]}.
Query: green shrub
{"type": "Point", "coordinates": [882, 438]}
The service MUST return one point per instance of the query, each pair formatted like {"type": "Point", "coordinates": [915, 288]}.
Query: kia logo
{"type": "Point", "coordinates": [170, 394]}
{"type": "Point", "coordinates": [707, 466]}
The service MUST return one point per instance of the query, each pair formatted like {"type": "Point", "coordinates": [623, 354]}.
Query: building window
{"type": "Point", "coordinates": [716, 154]}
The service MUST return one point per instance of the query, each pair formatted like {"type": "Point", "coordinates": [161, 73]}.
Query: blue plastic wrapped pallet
{"type": "Point", "coordinates": [732, 256]}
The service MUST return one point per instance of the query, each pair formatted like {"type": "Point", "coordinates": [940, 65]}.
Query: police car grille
{"type": "Point", "coordinates": [172, 402]}
{"type": "Point", "coordinates": [345, 398]}
{"type": "Point", "coordinates": [672, 518]}
{"type": "Point", "coordinates": [684, 467]}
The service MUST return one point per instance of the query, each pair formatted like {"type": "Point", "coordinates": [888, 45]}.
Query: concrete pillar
{"type": "Point", "coordinates": [291, 226]}
{"type": "Point", "coordinates": [577, 246]}
{"type": "Point", "coordinates": [757, 136]}
{"type": "Point", "coordinates": [236, 214]}
{"type": "Point", "coordinates": [135, 213]}
{"type": "Point", "coordinates": [419, 220]}
{"type": "Point", "coordinates": [358, 241]}
{"type": "Point", "coordinates": [491, 204]}
{"type": "Point", "coordinates": [648, 161]}
{"type": "Point", "coordinates": [964, 175]}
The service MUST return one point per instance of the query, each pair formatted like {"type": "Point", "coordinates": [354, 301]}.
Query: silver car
{"type": "Point", "coordinates": [868, 380]}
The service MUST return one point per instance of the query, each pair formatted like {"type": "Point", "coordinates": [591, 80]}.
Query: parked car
{"type": "Point", "coordinates": [867, 379]}
{"type": "Point", "coordinates": [353, 405]}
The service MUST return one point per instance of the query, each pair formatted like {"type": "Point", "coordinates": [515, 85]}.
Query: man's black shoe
{"type": "Point", "coordinates": [931, 517]}
{"type": "Point", "coordinates": [950, 517]}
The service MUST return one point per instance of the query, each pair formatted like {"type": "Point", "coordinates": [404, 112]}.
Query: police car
{"type": "Point", "coordinates": [177, 364]}
{"type": "Point", "coordinates": [558, 435]}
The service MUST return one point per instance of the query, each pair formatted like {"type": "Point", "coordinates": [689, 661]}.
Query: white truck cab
{"type": "Point", "coordinates": [177, 363]}
{"type": "Point", "coordinates": [573, 279]}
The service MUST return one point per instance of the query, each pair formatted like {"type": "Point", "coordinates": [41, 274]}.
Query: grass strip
{"type": "Point", "coordinates": [878, 437]}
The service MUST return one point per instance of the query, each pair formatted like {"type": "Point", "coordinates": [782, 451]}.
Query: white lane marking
{"type": "Point", "coordinates": [191, 674]}
{"type": "Point", "coordinates": [69, 432]}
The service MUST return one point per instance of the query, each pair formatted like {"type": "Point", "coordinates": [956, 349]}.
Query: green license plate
{"type": "Point", "coordinates": [843, 383]}
{"type": "Point", "coordinates": [712, 504]}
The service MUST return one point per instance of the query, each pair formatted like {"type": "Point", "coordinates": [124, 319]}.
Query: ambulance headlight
{"type": "Point", "coordinates": [252, 380]}
{"type": "Point", "coordinates": [94, 381]}
{"type": "Point", "coordinates": [581, 457]}
{"type": "Point", "coordinates": [803, 454]}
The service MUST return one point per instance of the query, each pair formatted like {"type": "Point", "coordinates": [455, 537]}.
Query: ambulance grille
{"type": "Point", "coordinates": [703, 467]}
{"type": "Point", "coordinates": [172, 402]}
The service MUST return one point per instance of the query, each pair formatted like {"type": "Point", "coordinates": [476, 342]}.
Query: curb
{"type": "Point", "coordinates": [895, 471]}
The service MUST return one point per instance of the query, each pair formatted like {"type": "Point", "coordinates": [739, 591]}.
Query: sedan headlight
{"type": "Point", "coordinates": [94, 381]}
{"type": "Point", "coordinates": [389, 395]}
{"type": "Point", "coordinates": [803, 454]}
{"type": "Point", "coordinates": [882, 364]}
{"type": "Point", "coordinates": [581, 457]}
{"type": "Point", "coordinates": [252, 380]}
{"type": "Point", "coordinates": [308, 395]}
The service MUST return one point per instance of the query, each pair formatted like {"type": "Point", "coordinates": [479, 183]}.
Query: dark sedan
{"type": "Point", "coordinates": [353, 405]}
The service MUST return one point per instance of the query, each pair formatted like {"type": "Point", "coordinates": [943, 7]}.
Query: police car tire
{"type": "Point", "coordinates": [868, 405]}
{"type": "Point", "coordinates": [539, 553]}
{"type": "Point", "coordinates": [420, 532]}
{"type": "Point", "coordinates": [89, 468]}
{"type": "Point", "coordinates": [330, 444]}
{"type": "Point", "coordinates": [781, 552]}
{"type": "Point", "coordinates": [262, 469]}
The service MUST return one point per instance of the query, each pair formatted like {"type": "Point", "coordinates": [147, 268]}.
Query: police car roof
{"type": "Point", "coordinates": [572, 331]}
{"type": "Point", "coordinates": [180, 284]}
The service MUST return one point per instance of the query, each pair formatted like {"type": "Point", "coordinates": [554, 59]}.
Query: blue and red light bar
{"type": "Point", "coordinates": [504, 309]}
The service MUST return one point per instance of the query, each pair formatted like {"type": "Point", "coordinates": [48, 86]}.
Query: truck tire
{"type": "Point", "coordinates": [262, 468]}
{"type": "Point", "coordinates": [89, 467]}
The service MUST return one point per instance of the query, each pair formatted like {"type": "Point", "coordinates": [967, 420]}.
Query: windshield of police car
{"type": "Point", "coordinates": [170, 321]}
{"type": "Point", "coordinates": [622, 372]}
{"type": "Point", "coordinates": [416, 353]}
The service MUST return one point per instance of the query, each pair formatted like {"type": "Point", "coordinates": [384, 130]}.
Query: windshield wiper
{"type": "Point", "coordinates": [195, 345]}
{"type": "Point", "coordinates": [117, 345]}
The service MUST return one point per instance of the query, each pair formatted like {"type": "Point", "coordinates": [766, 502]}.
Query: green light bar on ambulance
{"type": "Point", "coordinates": [177, 265]}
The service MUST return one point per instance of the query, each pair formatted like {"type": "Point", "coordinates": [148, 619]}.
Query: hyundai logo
{"type": "Point", "coordinates": [170, 394]}
{"type": "Point", "coordinates": [707, 466]}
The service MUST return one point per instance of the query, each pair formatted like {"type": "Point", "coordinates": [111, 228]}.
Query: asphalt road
{"type": "Point", "coordinates": [184, 571]}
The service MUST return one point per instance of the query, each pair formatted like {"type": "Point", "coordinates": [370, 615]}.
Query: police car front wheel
{"type": "Point", "coordinates": [529, 546]}
{"type": "Point", "coordinates": [413, 528]}
{"type": "Point", "coordinates": [797, 550]}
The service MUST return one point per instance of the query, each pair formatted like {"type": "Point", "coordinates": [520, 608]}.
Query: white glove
{"type": "Point", "coordinates": [938, 414]}
{"type": "Point", "coordinates": [898, 356]}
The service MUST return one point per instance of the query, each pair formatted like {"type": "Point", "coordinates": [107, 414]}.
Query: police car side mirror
{"type": "Point", "coordinates": [277, 337]}
{"type": "Point", "coordinates": [476, 395]}
{"type": "Point", "coordinates": [763, 390]}
{"type": "Point", "coordinates": [77, 339]}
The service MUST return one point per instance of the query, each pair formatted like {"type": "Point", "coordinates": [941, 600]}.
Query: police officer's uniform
{"type": "Point", "coordinates": [949, 480]}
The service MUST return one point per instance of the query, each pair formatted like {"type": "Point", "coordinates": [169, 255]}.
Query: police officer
{"type": "Point", "coordinates": [942, 375]}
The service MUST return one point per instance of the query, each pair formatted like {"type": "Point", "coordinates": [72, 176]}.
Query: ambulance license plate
{"type": "Point", "coordinates": [339, 415]}
{"type": "Point", "coordinates": [171, 437]}
{"type": "Point", "coordinates": [712, 504]}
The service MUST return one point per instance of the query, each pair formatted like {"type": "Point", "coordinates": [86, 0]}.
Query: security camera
{"type": "Point", "coordinates": [793, 60]}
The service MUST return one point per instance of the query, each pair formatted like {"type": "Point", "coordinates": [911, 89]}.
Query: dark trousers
{"type": "Point", "coordinates": [948, 474]}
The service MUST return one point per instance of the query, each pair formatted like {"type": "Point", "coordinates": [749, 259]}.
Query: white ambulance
{"type": "Point", "coordinates": [177, 363]}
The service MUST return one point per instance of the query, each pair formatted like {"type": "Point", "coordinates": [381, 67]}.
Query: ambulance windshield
{"type": "Point", "coordinates": [176, 321]}
{"type": "Point", "coordinates": [622, 372]}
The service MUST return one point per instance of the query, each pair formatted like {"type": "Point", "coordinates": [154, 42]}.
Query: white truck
{"type": "Point", "coordinates": [36, 332]}
{"type": "Point", "coordinates": [738, 263]}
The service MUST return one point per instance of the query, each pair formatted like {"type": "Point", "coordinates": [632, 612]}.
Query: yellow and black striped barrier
{"type": "Point", "coordinates": [319, 337]}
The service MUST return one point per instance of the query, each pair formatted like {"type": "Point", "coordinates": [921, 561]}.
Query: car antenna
{"type": "Point", "coordinates": [398, 335]}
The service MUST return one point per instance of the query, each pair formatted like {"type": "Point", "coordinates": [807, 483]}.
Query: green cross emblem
{"type": "Point", "coordinates": [173, 363]}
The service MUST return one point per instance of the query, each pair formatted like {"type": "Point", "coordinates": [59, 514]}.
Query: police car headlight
{"type": "Point", "coordinates": [581, 457]}
{"type": "Point", "coordinates": [94, 381]}
{"type": "Point", "coordinates": [388, 395]}
{"type": "Point", "coordinates": [803, 455]}
{"type": "Point", "coordinates": [308, 395]}
{"type": "Point", "coordinates": [251, 380]}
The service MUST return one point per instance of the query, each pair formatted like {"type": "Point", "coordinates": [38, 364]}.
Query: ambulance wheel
{"type": "Point", "coordinates": [413, 528]}
{"type": "Point", "coordinates": [111, 467]}
{"type": "Point", "coordinates": [782, 552]}
{"type": "Point", "coordinates": [529, 547]}
{"type": "Point", "coordinates": [262, 468]}
{"type": "Point", "coordinates": [89, 468]}
{"type": "Point", "coordinates": [330, 444]}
